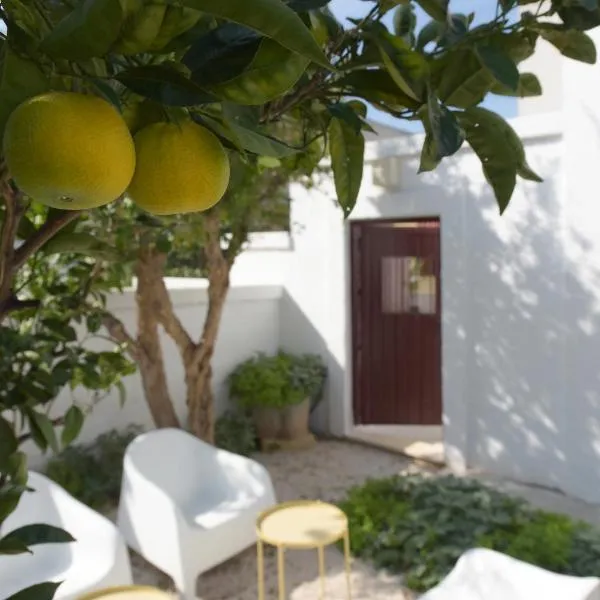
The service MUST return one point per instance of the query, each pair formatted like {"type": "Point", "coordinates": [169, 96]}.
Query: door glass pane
{"type": "Point", "coordinates": [408, 285]}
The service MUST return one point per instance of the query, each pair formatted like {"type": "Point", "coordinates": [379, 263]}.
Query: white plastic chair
{"type": "Point", "coordinates": [482, 574]}
{"type": "Point", "coordinates": [187, 506]}
{"type": "Point", "coordinates": [97, 559]}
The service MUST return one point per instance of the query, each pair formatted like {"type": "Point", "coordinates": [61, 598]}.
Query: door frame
{"type": "Point", "coordinates": [392, 436]}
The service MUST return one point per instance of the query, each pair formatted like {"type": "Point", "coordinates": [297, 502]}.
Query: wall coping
{"type": "Point", "coordinates": [192, 291]}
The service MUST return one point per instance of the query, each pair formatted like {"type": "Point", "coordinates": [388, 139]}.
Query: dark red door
{"type": "Point", "coordinates": [396, 328]}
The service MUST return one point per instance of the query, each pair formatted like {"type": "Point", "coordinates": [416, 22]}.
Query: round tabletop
{"type": "Point", "coordinates": [129, 592]}
{"type": "Point", "coordinates": [302, 524]}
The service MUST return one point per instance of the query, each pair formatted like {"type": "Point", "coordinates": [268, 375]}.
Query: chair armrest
{"type": "Point", "coordinates": [247, 473]}
{"type": "Point", "coordinates": [151, 521]}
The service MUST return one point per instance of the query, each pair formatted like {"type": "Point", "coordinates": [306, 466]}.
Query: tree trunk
{"type": "Point", "coordinates": [198, 369]}
{"type": "Point", "coordinates": [149, 271]}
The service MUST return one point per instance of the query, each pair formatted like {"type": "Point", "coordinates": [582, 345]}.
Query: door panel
{"type": "Point", "coordinates": [396, 326]}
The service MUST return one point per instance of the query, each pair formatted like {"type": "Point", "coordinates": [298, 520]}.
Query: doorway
{"type": "Point", "coordinates": [396, 322]}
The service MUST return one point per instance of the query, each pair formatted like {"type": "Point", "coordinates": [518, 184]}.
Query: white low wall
{"type": "Point", "coordinates": [250, 324]}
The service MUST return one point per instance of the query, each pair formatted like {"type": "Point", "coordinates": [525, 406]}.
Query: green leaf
{"type": "Point", "coordinates": [221, 54]}
{"type": "Point", "coordinates": [89, 30]}
{"type": "Point", "coordinates": [122, 393]}
{"type": "Point", "coordinates": [44, 430]}
{"type": "Point", "coordinates": [274, 70]}
{"type": "Point", "coordinates": [570, 43]}
{"type": "Point", "coordinates": [347, 155]}
{"type": "Point", "coordinates": [164, 243]}
{"type": "Point", "coordinates": [462, 80]}
{"type": "Point", "coordinates": [21, 79]}
{"type": "Point", "coordinates": [252, 140]}
{"type": "Point", "coordinates": [9, 498]}
{"type": "Point", "coordinates": [17, 468]}
{"type": "Point", "coordinates": [164, 85]}
{"type": "Point", "coordinates": [579, 17]}
{"type": "Point", "coordinates": [324, 25]}
{"type": "Point", "coordinates": [436, 9]}
{"type": "Point", "coordinates": [405, 20]}
{"type": "Point", "coordinates": [429, 33]}
{"type": "Point", "coordinates": [39, 591]}
{"type": "Point", "coordinates": [376, 85]}
{"type": "Point", "coordinates": [80, 243]}
{"type": "Point", "coordinates": [141, 30]}
{"type": "Point", "coordinates": [39, 533]}
{"type": "Point", "coordinates": [406, 67]}
{"type": "Point", "coordinates": [430, 157]}
{"type": "Point", "coordinates": [445, 129]}
{"type": "Point", "coordinates": [8, 442]}
{"type": "Point", "coordinates": [529, 85]}
{"type": "Point", "coordinates": [72, 426]}
{"type": "Point", "coordinates": [13, 546]}
{"type": "Point", "coordinates": [26, 228]}
{"type": "Point", "coordinates": [500, 150]}
{"type": "Point", "coordinates": [272, 18]}
{"type": "Point", "coordinates": [501, 67]}
{"type": "Point", "coordinates": [526, 172]}
{"type": "Point", "coordinates": [345, 112]}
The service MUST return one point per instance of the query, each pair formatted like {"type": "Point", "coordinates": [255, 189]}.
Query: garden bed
{"type": "Point", "coordinates": [419, 526]}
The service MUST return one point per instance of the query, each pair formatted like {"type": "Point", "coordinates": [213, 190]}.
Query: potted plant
{"type": "Point", "coordinates": [278, 391]}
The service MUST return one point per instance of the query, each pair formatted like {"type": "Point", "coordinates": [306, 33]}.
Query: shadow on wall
{"type": "Point", "coordinates": [299, 335]}
{"type": "Point", "coordinates": [520, 322]}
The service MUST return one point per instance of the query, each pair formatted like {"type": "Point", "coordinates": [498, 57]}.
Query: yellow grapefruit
{"type": "Point", "coordinates": [181, 168]}
{"type": "Point", "coordinates": [69, 150]}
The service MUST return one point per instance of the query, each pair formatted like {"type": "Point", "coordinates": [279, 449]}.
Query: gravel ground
{"type": "Point", "coordinates": [325, 472]}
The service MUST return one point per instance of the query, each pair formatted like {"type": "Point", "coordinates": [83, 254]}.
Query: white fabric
{"type": "Point", "coordinates": [482, 574]}
{"type": "Point", "coordinates": [187, 506]}
{"type": "Point", "coordinates": [97, 559]}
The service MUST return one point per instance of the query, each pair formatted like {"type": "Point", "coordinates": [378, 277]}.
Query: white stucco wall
{"type": "Point", "coordinates": [520, 384]}
{"type": "Point", "coordinates": [250, 324]}
{"type": "Point", "coordinates": [548, 64]}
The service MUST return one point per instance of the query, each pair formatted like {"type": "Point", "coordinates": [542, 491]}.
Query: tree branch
{"type": "Point", "coordinates": [55, 423]}
{"type": "Point", "coordinates": [150, 270]}
{"type": "Point", "coordinates": [47, 231]}
{"type": "Point", "coordinates": [218, 284]}
{"type": "Point", "coordinates": [13, 211]}
{"type": "Point", "coordinates": [118, 332]}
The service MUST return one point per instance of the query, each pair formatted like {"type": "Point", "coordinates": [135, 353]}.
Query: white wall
{"type": "Point", "coordinates": [548, 64]}
{"type": "Point", "coordinates": [521, 388]}
{"type": "Point", "coordinates": [250, 324]}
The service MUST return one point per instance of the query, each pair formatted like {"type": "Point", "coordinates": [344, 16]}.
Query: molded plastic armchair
{"type": "Point", "coordinates": [187, 506]}
{"type": "Point", "coordinates": [97, 559]}
{"type": "Point", "coordinates": [482, 574]}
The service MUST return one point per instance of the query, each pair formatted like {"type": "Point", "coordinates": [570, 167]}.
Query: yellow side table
{"type": "Point", "coordinates": [301, 525]}
{"type": "Point", "coordinates": [129, 592]}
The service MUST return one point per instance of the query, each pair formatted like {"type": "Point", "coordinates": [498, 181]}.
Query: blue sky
{"type": "Point", "coordinates": [485, 11]}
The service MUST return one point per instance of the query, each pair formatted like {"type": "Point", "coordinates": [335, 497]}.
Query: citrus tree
{"type": "Point", "coordinates": [211, 241]}
{"type": "Point", "coordinates": [197, 81]}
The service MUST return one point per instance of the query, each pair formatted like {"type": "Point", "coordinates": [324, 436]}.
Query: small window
{"type": "Point", "coordinates": [408, 285]}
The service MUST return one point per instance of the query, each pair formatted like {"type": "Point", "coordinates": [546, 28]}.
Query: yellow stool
{"type": "Point", "coordinates": [129, 592]}
{"type": "Point", "coordinates": [301, 525]}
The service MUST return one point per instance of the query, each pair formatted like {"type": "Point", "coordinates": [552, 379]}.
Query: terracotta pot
{"type": "Point", "coordinates": [295, 420]}
{"type": "Point", "coordinates": [268, 421]}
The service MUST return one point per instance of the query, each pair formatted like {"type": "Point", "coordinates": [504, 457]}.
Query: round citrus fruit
{"type": "Point", "coordinates": [69, 150]}
{"type": "Point", "coordinates": [181, 168]}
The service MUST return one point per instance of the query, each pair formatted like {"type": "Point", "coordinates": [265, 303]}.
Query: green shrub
{"type": "Point", "coordinates": [420, 526]}
{"type": "Point", "coordinates": [235, 431]}
{"type": "Point", "coordinates": [277, 381]}
{"type": "Point", "coordinates": [92, 472]}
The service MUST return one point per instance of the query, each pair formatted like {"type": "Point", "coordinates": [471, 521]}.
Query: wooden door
{"type": "Point", "coordinates": [396, 325]}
